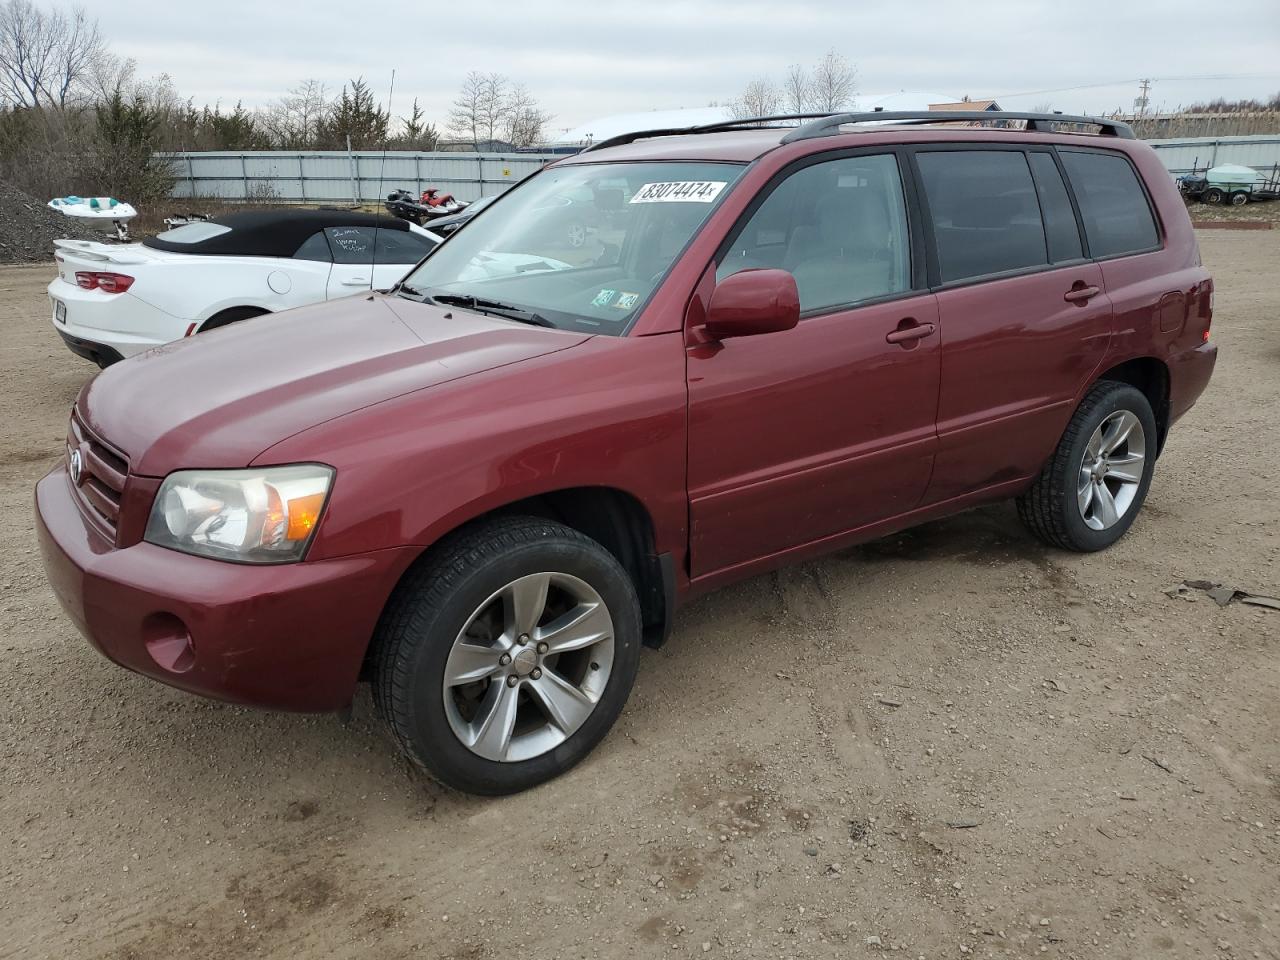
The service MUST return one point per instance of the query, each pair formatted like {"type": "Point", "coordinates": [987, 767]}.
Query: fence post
{"type": "Point", "coordinates": [355, 171]}
{"type": "Point", "coordinates": [244, 175]}
{"type": "Point", "coordinates": [480, 172]}
{"type": "Point", "coordinates": [302, 178]}
{"type": "Point", "coordinates": [417, 173]}
{"type": "Point", "coordinates": [191, 176]}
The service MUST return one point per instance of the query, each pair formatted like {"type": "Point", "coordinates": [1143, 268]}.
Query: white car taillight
{"type": "Point", "coordinates": [104, 281]}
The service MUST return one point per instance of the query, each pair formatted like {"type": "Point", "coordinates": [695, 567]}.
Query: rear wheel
{"type": "Point", "coordinates": [1090, 491]}
{"type": "Point", "coordinates": [506, 658]}
{"type": "Point", "coordinates": [1239, 198]}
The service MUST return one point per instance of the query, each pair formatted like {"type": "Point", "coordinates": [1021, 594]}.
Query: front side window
{"type": "Point", "coordinates": [1117, 217]}
{"type": "Point", "coordinates": [579, 247]}
{"type": "Point", "coordinates": [351, 244]}
{"type": "Point", "coordinates": [986, 217]}
{"type": "Point", "coordinates": [839, 227]}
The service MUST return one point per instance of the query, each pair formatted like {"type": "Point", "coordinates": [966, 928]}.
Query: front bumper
{"type": "Point", "coordinates": [288, 637]}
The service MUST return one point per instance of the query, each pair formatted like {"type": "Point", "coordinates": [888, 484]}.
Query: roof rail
{"type": "Point", "coordinates": [1036, 122]}
{"type": "Point", "coordinates": [744, 123]}
{"type": "Point", "coordinates": [829, 124]}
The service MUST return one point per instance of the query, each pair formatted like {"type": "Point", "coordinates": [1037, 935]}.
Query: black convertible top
{"type": "Point", "coordinates": [272, 233]}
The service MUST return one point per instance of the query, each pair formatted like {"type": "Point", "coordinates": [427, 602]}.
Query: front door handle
{"type": "Point", "coordinates": [1079, 293]}
{"type": "Point", "coordinates": [909, 331]}
{"type": "Point", "coordinates": [357, 282]}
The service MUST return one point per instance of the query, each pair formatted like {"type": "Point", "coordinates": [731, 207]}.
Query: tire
{"type": "Point", "coordinates": [1239, 198]}
{"type": "Point", "coordinates": [1066, 505]}
{"type": "Point", "coordinates": [467, 585]}
{"type": "Point", "coordinates": [1211, 195]}
{"type": "Point", "coordinates": [228, 316]}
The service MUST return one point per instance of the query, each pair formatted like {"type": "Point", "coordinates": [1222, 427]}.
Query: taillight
{"type": "Point", "coordinates": [106, 282]}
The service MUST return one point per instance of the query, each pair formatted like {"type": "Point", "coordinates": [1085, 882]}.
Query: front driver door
{"type": "Point", "coordinates": [352, 260]}
{"type": "Point", "coordinates": [811, 432]}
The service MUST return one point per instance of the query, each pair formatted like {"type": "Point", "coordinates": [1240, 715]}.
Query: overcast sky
{"type": "Point", "coordinates": [586, 60]}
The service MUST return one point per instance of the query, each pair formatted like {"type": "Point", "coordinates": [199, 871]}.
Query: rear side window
{"type": "Point", "coordinates": [401, 246]}
{"type": "Point", "coordinates": [351, 244]}
{"type": "Point", "coordinates": [1060, 229]}
{"type": "Point", "coordinates": [1117, 217]}
{"type": "Point", "coordinates": [986, 216]}
{"type": "Point", "coordinates": [839, 227]}
{"type": "Point", "coordinates": [315, 247]}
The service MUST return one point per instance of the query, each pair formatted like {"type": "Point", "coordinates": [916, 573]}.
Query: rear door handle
{"type": "Point", "coordinates": [904, 334]}
{"type": "Point", "coordinates": [1080, 294]}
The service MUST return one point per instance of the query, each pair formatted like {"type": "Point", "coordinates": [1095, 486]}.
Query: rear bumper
{"type": "Point", "coordinates": [289, 637]}
{"type": "Point", "coordinates": [115, 322]}
{"type": "Point", "coordinates": [99, 353]}
{"type": "Point", "coordinates": [1189, 374]}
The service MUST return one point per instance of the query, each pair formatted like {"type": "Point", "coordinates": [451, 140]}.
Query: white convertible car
{"type": "Point", "coordinates": [111, 301]}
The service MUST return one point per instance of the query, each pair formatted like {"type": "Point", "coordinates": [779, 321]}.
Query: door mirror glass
{"type": "Point", "coordinates": [753, 301]}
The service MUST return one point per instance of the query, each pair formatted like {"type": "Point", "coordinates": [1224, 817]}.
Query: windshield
{"type": "Point", "coordinates": [577, 247]}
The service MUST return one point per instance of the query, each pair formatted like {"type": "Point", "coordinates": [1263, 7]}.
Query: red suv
{"type": "Point", "coordinates": [485, 489]}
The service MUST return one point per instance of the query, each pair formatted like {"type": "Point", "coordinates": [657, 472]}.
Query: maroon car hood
{"type": "Point", "coordinates": [221, 398]}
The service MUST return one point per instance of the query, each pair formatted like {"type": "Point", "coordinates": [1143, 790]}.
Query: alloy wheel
{"type": "Point", "coordinates": [1111, 470]}
{"type": "Point", "coordinates": [529, 667]}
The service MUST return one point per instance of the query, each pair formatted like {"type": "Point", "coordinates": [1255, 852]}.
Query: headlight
{"type": "Point", "coordinates": [266, 515]}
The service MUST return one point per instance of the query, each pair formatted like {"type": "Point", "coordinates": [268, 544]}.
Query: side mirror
{"type": "Point", "coordinates": [752, 302]}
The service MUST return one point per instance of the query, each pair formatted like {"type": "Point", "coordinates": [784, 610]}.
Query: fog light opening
{"type": "Point", "coordinates": [168, 642]}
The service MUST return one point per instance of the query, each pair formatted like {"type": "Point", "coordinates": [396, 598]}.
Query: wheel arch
{"type": "Point", "coordinates": [231, 315]}
{"type": "Point", "coordinates": [614, 518]}
{"type": "Point", "coordinates": [1150, 375]}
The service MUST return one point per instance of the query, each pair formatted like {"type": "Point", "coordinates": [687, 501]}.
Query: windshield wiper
{"type": "Point", "coordinates": [481, 305]}
{"type": "Point", "coordinates": [403, 288]}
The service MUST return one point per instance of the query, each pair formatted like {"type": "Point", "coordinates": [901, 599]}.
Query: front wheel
{"type": "Point", "coordinates": [1090, 491]}
{"type": "Point", "coordinates": [1239, 198]}
{"type": "Point", "coordinates": [503, 660]}
{"type": "Point", "coordinates": [1212, 195]}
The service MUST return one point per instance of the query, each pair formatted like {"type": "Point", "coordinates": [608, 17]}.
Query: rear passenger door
{"type": "Point", "coordinates": [810, 432]}
{"type": "Point", "coordinates": [1024, 315]}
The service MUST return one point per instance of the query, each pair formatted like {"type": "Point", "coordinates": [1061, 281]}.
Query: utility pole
{"type": "Point", "coordinates": [1142, 100]}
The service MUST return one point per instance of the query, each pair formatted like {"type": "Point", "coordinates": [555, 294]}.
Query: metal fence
{"type": "Point", "coordinates": [1199, 153]}
{"type": "Point", "coordinates": [324, 176]}
{"type": "Point", "coordinates": [368, 176]}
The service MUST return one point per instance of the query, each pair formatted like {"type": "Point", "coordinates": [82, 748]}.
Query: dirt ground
{"type": "Point", "coordinates": [952, 742]}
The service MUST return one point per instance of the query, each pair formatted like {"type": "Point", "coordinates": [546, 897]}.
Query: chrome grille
{"type": "Point", "coordinates": [102, 476]}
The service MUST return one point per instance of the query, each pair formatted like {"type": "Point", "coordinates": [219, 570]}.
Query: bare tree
{"type": "Point", "coordinates": [524, 120]}
{"type": "Point", "coordinates": [46, 58]}
{"type": "Point", "coordinates": [294, 121]}
{"type": "Point", "coordinates": [833, 83]}
{"type": "Point", "coordinates": [797, 89]}
{"type": "Point", "coordinates": [481, 107]}
{"type": "Point", "coordinates": [760, 98]}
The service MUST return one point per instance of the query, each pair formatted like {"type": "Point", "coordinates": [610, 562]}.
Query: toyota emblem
{"type": "Point", "coordinates": [75, 465]}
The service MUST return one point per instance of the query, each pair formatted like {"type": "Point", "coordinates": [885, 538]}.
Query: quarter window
{"type": "Point", "coordinates": [839, 227]}
{"type": "Point", "coordinates": [1117, 217]}
{"type": "Point", "coordinates": [315, 247]}
{"type": "Point", "coordinates": [986, 216]}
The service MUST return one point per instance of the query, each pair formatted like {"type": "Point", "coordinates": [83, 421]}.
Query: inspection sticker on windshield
{"type": "Point", "coordinates": [679, 191]}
